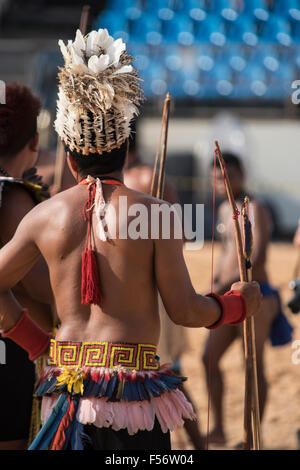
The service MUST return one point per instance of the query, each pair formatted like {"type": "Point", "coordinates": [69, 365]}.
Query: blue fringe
{"type": "Point", "coordinates": [78, 436]}
{"type": "Point", "coordinates": [45, 436]}
{"type": "Point", "coordinates": [139, 389]}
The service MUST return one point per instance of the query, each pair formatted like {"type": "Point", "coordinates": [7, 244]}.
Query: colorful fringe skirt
{"type": "Point", "coordinates": [121, 386]}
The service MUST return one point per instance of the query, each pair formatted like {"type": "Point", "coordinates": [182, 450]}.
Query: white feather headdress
{"type": "Point", "coordinates": [99, 92]}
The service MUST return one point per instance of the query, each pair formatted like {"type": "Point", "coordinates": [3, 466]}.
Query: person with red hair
{"type": "Point", "coordinates": [18, 154]}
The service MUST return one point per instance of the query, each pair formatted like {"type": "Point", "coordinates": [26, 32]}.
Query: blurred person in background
{"type": "Point", "coordinates": [172, 343]}
{"type": "Point", "coordinates": [46, 168]}
{"type": "Point", "coordinates": [20, 190]}
{"type": "Point", "coordinates": [296, 239]}
{"type": "Point", "coordinates": [271, 322]}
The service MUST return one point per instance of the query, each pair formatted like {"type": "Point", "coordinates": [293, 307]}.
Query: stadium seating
{"type": "Point", "coordinates": [210, 49]}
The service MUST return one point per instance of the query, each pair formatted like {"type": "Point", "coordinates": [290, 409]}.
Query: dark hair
{"type": "Point", "coordinates": [230, 159]}
{"type": "Point", "coordinates": [18, 119]}
{"type": "Point", "coordinates": [100, 164]}
{"type": "Point", "coordinates": [133, 138]}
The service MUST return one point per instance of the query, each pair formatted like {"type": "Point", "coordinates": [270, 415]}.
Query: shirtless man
{"type": "Point", "coordinates": [296, 238]}
{"type": "Point", "coordinates": [172, 343]}
{"type": "Point", "coordinates": [227, 272]}
{"type": "Point", "coordinates": [18, 153]}
{"type": "Point", "coordinates": [103, 377]}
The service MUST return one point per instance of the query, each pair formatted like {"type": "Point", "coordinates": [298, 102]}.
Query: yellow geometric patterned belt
{"type": "Point", "coordinates": [102, 354]}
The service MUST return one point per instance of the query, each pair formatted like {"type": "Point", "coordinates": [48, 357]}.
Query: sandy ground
{"type": "Point", "coordinates": [282, 415]}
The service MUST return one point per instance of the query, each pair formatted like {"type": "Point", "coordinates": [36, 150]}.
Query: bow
{"type": "Point", "coordinates": [159, 185]}
{"type": "Point", "coordinates": [60, 160]}
{"type": "Point", "coordinates": [251, 409]}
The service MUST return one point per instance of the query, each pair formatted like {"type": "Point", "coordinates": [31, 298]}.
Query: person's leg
{"type": "Point", "coordinates": [263, 322]}
{"type": "Point", "coordinates": [216, 345]}
{"type": "Point", "coordinates": [17, 377]}
{"type": "Point", "coordinates": [192, 427]}
{"type": "Point", "coordinates": [108, 439]}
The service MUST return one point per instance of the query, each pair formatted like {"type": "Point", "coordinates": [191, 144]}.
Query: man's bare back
{"type": "Point", "coordinates": [129, 309]}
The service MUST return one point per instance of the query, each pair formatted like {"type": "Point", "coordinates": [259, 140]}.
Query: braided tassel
{"type": "Point", "coordinates": [90, 282]}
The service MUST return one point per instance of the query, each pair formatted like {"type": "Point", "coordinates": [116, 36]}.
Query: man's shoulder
{"type": "Point", "coordinates": [136, 197]}
{"type": "Point", "coordinates": [15, 205]}
{"type": "Point", "coordinates": [60, 202]}
{"type": "Point", "coordinates": [14, 193]}
{"type": "Point", "coordinates": [139, 177]}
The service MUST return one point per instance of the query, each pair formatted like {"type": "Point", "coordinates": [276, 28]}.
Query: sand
{"type": "Point", "coordinates": [282, 415]}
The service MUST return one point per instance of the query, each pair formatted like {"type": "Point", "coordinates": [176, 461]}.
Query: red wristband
{"type": "Point", "coordinates": [27, 334]}
{"type": "Point", "coordinates": [234, 308]}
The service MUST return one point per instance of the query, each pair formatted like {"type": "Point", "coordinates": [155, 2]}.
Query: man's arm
{"type": "Point", "coordinates": [183, 305]}
{"type": "Point", "coordinates": [16, 204]}
{"type": "Point", "coordinates": [17, 257]}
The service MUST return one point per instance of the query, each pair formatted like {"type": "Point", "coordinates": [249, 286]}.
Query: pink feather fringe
{"type": "Point", "coordinates": [170, 409]}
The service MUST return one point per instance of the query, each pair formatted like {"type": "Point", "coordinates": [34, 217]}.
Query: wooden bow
{"type": "Point", "coordinates": [251, 410]}
{"type": "Point", "coordinates": [158, 183]}
{"type": "Point", "coordinates": [60, 151]}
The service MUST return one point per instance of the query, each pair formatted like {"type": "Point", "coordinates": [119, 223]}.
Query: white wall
{"type": "Point", "coordinates": [270, 149]}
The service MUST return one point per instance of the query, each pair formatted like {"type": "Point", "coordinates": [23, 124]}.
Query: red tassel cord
{"type": "Point", "coordinates": [90, 281]}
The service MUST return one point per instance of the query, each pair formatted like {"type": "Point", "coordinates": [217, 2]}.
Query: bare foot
{"type": "Point", "coordinates": [217, 437]}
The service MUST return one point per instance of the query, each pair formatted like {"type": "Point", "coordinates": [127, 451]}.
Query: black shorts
{"type": "Point", "coordinates": [108, 439]}
{"type": "Point", "coordinates": [17, 377]}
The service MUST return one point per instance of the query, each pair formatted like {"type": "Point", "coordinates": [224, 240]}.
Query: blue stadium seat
{"type": "Point", "coordinates": [114, 23]}
{"type": "Point", "coordinates": [251, 82]}
{"type": "Point", "coordinates": [184, 83]}
{"type": "Point", "coordinates": [187, 5]}
{"type": "Point", "coordinates": [243, 30]}
{"type": "Point", "coordinates": [190, 81]}
{"type": "Point", "coordinates": [133, 13]}
{"type": "Point", "coordinates": [153, 6]}
{"type": "Point", "coordinates": [227, 8]}
{"type": "Point", "coordinates": [295, 26]}
{"type": "Point", "coordinates": [289, 8]}
{"type": "Point", "coordinates": [296, 58]}
{"type": "Point", "coordinates": [211, 29]}
{"type": "Point", "coordinates": [277, 29]}
{"type": "Point", "coordinates": [258, 8]}
{"type": "Point", "coordinates": [218, 5]}
{"type": "Point", "coordinates": [141, 54]}
{"type": "Point", "coordinates": [173, 58]}
{"type": "Point", "coordinates": [235, 56]}
{"type": "Point", "coordinates": [178, 29]}
{"type": "Point", "coordinates": [140, 29]}
{"type": "Point", "coordinates": [216, 82]}
{"type": "Point", "coordinates": [121, 5]}
{"type": "Point", "coordinates": [205, 61]}
{"type": "Point", "coordinates": [280, 81]}
{"type": "Point", "coordinates": [155, 79]}
{"type": "Point", "coordinates": [267, 56]}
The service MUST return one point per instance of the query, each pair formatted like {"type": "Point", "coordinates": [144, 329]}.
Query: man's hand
{"type": "Point", "coordinates": [252, 294]}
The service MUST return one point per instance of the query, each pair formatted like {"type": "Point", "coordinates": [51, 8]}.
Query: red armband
{"type": "Point", "coordinates": [234, 308]}
{"type": "Point", "coordinates": [27, 334]}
